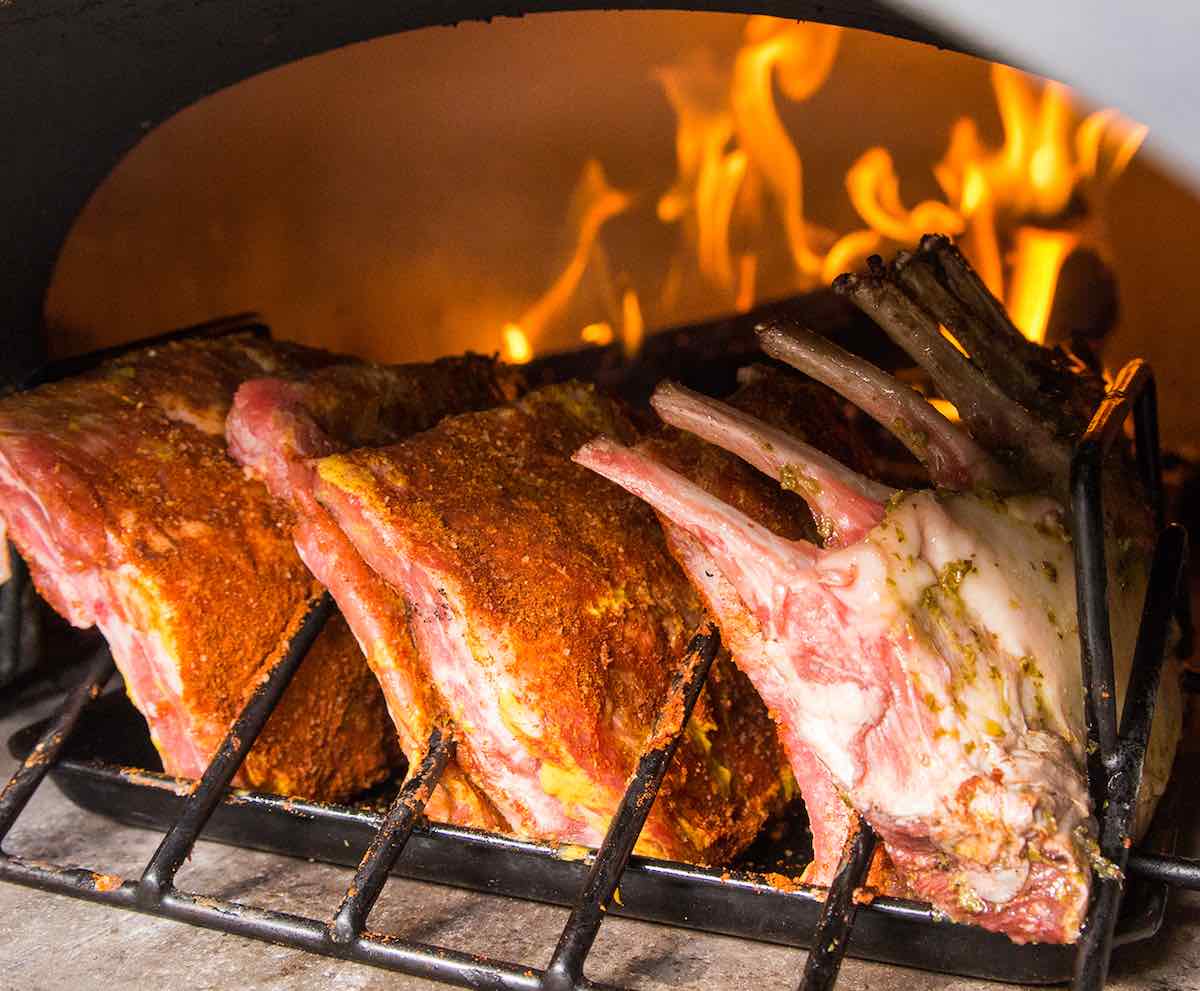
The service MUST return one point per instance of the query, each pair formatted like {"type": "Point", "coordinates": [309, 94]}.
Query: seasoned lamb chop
{"type": "Point", "coordinates": [117, 489]}
{"type": "Point", "coordinates": [805, 409]}
{"type": "Point", "coordinates": [549, 615]}
{"type": "Point", "coordinates": [275, 429]}
{"type": "Point", "coordinates": [928, 653]}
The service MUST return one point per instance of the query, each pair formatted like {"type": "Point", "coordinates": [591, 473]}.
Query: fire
{"type": "Point", "coordinates": [737, 201]}
{"type": "Point", "coordinates": [632, 327]}
{"type": "Point", "coordinates": [803, 54]}
{"type": "Point", "coordinates": [516, 344]}
{"type": "Point", "coordinates": [593, 203]}
{"type": "Point", "coordinates": [1039, 258]}
{"type": "Point", "coordinates": [1012, 207]}
{"type": "Point", "coordinates": [599, 334]}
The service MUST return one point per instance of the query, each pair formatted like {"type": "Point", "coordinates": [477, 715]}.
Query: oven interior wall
{"type": "Point", "coordinates": [406, 197]}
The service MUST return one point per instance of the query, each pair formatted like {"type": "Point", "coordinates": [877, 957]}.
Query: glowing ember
{"type": "Point", "coordinates": [599, 334]}
{"type": "Point", "coordinates": [632, 327]}
{"type": "Point", "coordinates": [516, 344]}
{"type": "Point", "coordinates": [737, 200]}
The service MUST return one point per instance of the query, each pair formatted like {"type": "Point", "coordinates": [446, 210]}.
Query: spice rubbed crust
{"type": "Point", "coordinates": [277, 426]}
{"type": "Point", "coordinates": [551, 617]}
{"type": "Point", "coordinates": [117, 488]}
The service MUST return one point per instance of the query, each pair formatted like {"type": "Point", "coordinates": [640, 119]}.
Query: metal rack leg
{"type": "Point", "coordinates": [159, 875]}
{"type": "Point", "coordinates": [388, 843]}
{"type": "Point", "coordinates": [29, 775]}
{"type": "Point", "coordinates": [1126, 763]}
{"type": "Point", "coordinates": [837, 917]}
{"type": "Point", "coordinates": [565, 972]}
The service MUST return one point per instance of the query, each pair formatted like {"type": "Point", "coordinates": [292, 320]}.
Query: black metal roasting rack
{"type": "Point", "coordinates": [886, 929]}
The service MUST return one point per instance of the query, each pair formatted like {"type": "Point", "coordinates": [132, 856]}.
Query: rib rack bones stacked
{"type": "Point", "coordinates": [117, 488]}
{"type": "Point", "coordinates": [500, 592]}
{"type": "Point", "coordinates": [279, 426]}
{"type": "Point", "coordinates": [924, 660]}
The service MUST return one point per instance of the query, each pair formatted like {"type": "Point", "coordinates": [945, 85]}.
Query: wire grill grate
{"type": "Point", "coordinates": [1116, 751]}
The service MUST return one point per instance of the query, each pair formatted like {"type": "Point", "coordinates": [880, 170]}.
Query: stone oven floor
{"type": "Point", "coordinates": [51, 942]}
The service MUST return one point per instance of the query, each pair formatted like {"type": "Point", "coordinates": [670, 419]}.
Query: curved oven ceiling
{"type": "Point", "coordinates": [1144, 63]}
{"type": "Point", "coordinates": [86, 79]}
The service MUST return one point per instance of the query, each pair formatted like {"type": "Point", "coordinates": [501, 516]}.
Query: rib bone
{"type": "Point", "coordinates": [964, 282]}
{"type": "Point", "coordinates": [724, 531]}
{"type": "Point", "coordinates": [990, 349]}
{"type": "Point", "coordinates": [998, 422]}
{"type": "Point", "coordinates": [844, 503]}
{"type": "Point", "coordinates": [953, 459]}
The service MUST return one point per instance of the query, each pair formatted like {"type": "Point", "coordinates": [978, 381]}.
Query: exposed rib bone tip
{"type": "Point", "coordinates": [767, 333]}
{"type": "Point", "coordinates": [845, 283]}
{"type": "Point", "coordinates": [665, 388]}
{"type": "Point", "coordinates": [934, 242]}
{"type": "Point", "coordinates": [666, 391]}
{"type": "Point", "coordinates": [594, 449]}
{"type": "Point", "coordinates": [750, 373]}
{"type": "Point", "coordinates": [778, 342]}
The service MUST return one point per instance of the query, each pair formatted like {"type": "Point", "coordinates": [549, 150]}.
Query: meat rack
{"type": "Point", "coordinates": [1116, 749]}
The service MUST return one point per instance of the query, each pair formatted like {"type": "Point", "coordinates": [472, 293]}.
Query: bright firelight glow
{"type": "Point", "coordinates": [599, 334]}
{"type": "Point", "coordinates": [516, 345]}
{"type": "Point", "coordinates": [632, 327]}
{"type": "Point", "coordinates": [1039, 258]}
{"type": "Point", "coordinates": [739, 191]}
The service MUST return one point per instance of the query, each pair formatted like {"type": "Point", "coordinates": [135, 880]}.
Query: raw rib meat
{"type": "Point", "coordinates": [277, 425]}
{"type": "Point", "coordinates": [116, 487]}
{"type": "Point", "coordinates": [928, 655]}
{"type": "Point", "coordinates": [549, 616]}
{"type": "Point", "coordinates": [804, 409]}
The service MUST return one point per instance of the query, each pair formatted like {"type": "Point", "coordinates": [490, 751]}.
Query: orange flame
{"type": "Point", "coordinates": [803, 54]}
{"type": "Point", "coordinates": [1040, 255]}
{"type": "Point", "coordinates": [875, 192]}
{"type": "Point", "coordinates": [710, 175]}
{"type": "Point", "coordinates": [632, 327]}
{"type": "Point", "coordinates": [599, 334]}
{"type": "Point", "coordinates": [993, 194]}
{"type": "Point", "coordinates": [516, 344]}
{"type": "Point", "coordinates": [1011, 207]}
{"type": "Point", "coordinates": [593, 202]}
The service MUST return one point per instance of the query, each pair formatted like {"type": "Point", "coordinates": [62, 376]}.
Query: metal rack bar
{"type": "Point", "coordinates": [1179, 872]}
{"type": "Point", "coordinates": [159, 875]}
{"type": "Point", "coordinates": [1146, 445]}
{"type": "Point", "coordinates": [1091, 570]}
{"type": "Point", "coordinates": [12, 614]}
{"type": "Point", "coordinates": [388, 843]}
{"type": "Point", "coordinates": [347, 940]}
{"type": "Point", "coordinates": [33, 769]}
{"type": "Point", "coordinates": [1116, 755]}
{"type": "Point", "coordinates": [417, 959]}
{"type": "Point", "coordinates": [1095, 944]}
{"type": "Point", "coordinates": [837, 916]}
{"type": "Point", "coordinates": [1148, 451]}
{"type": "Point", "coordinates": [565, 971]}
